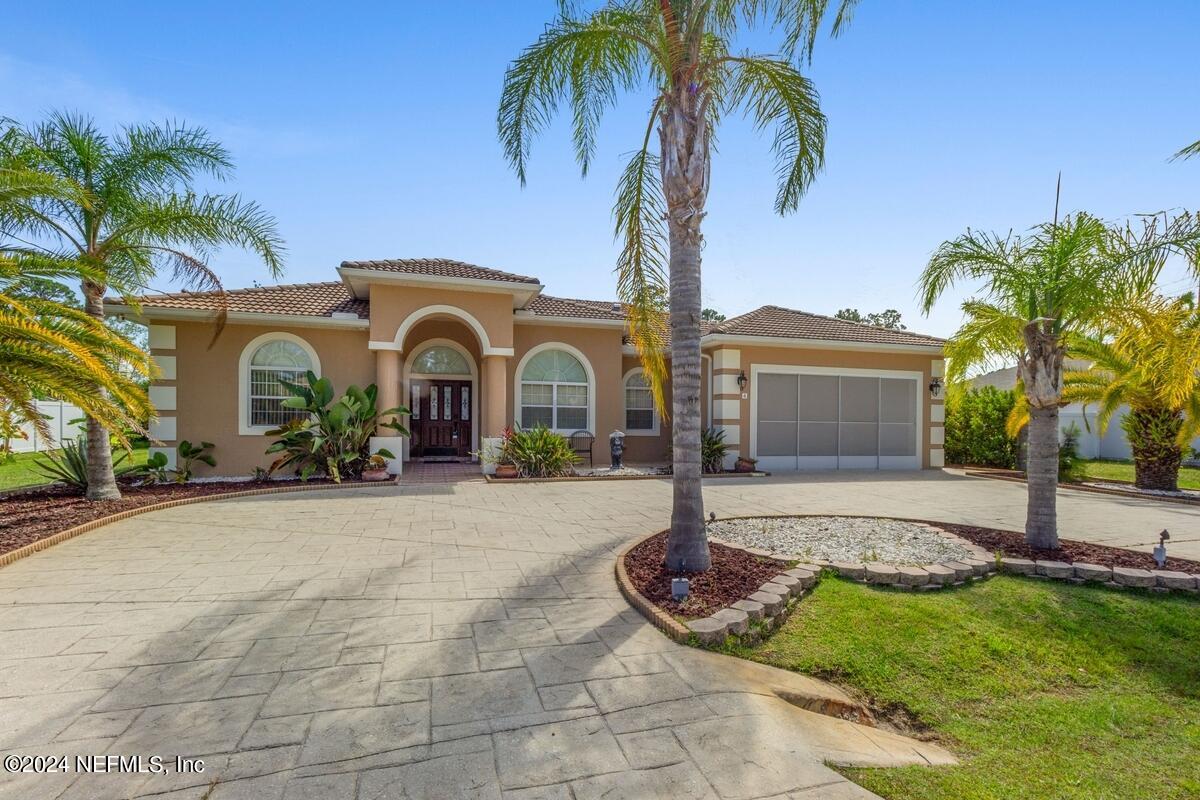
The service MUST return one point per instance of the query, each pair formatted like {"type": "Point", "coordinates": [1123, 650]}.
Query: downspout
{"type": "Point", "coordinates": [708, 413]}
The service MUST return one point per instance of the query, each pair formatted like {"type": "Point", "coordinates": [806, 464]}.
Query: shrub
{"type": "Point", "coordinates": [333, 438]}
{"type": "Point", "coordinates": [69, 464]}
{"type": "Point", "coordinates": [1070, 469]}
{"type": "Point", "coordinates": [712, 450]}
{"type": "Point", "coordinates": [538, 452]}
{"type": "Point", "coordinates": [975, 427]}
{"type": "Point", "coordinates": [186, 454]}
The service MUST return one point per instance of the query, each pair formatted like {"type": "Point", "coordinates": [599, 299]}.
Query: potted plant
{"type": "Point", "coordinates": [376, 468]}
{"type": "Point", "coordinates": [745, 464]}
{"type": "Point", "coordinates": [500, 456]}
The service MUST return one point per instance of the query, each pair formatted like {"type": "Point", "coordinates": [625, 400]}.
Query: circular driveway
{"type": "Point", "coordinates": [433, 641]}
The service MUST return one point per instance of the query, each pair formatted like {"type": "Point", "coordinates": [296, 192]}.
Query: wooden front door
{"type": "Point", "coordinates": [441, 419]}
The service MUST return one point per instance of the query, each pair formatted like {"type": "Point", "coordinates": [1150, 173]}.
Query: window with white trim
{"type": "Point", "coordinates": [554, 392]}
{"type": "Point", "coordinates": [640, 414]}
{"type": "Point", "coordinates": [273, 362]}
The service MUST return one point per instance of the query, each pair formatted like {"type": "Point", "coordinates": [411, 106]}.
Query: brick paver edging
{"type": "Point", "coordinates": [765, 610]}
{"type": "Point", "coordinates": [655, 615]}
{"type": "Point", "coordinates": [71, 533]}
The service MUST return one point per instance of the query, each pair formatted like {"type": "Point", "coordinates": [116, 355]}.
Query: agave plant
{"type": "Point", "coordinates": [333, 439]}
{"type": "Point", "coordinates": [70, 464]}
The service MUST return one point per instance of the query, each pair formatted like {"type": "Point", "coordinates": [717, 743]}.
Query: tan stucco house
{"type": "Point", "coordinates": [472, 350]}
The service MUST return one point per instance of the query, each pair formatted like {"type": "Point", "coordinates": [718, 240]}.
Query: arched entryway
{"type": "Point", "coordinates": [441, 380]}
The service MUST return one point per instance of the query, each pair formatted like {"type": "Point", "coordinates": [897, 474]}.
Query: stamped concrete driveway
{"type": "Point", "coordinates": [427, 641]}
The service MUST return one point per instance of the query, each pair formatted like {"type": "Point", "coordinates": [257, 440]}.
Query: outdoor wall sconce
{"type": "Point", "coordinates": [935, 388]}
{"type": "Point", "coordinates": [743, 380]}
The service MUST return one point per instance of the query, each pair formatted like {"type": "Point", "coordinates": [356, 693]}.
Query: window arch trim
{"type": "Point", "coordinates": [591, 384]}
{"type": "Point", "coordinates": [252, 347]}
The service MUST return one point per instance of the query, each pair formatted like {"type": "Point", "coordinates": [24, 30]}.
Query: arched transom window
{"type": "Point", "coordinates": [640, 414]}
{"type": "Point", "coordinates": [273, 362]}
{"type": "Point", "coordinates": [554, 392]}
{"type": "Point", "coordinates": [440, 360]}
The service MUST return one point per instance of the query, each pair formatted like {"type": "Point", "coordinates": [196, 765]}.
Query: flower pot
{"type": "Point", "coordinates": [506, 471]}
{"type": "Point", "coordinates": [742, 465]}
{"type": "Point", "coordinates": [375, 474]}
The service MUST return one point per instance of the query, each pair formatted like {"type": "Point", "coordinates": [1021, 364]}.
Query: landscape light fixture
{"type": "Point", "coordinates": [679, 589]}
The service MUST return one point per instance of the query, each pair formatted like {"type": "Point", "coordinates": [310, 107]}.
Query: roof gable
{"type": "Point", "coordinates": [787, 323]}
{"type": "Point", "coordinates": [439, 268]}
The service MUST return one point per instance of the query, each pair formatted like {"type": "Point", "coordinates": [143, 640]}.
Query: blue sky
{"type": "Point", "coordinates": [369, 132]}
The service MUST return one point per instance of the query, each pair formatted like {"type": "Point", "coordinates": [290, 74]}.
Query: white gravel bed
{"type": "Point", "coordinates": [856, 539]}
{"type": "Point", "coordinates": [1129, 487]}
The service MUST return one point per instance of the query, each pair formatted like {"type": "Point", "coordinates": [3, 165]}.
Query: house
{"type": "Point", "coordinates": [472, 350]}
{"type": "Point", "coordinates": [1111, 444]}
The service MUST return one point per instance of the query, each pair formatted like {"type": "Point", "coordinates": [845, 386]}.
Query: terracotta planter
{"type": "Point", "coordinates": [743, 466]}
{"type": "Point", "coordinates": [506, 471]}
{"type": "Point", "coordinates": [375, 474]}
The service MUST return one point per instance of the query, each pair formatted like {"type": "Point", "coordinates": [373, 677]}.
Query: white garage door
{"type": "Point", "coordinates": [836, 421]}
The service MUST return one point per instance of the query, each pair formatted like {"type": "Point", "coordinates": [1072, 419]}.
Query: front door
{"type": "Point", "coordinates": [441, 418]}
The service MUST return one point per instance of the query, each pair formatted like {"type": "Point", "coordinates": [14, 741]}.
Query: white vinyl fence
{"type": "Point", "coordinates": [1112, 445]}
{"type": "Point", "coordinates": [59, 416]}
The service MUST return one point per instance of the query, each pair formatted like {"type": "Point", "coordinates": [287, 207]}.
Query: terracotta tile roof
{"type": "Point", "coordinates": [296, 299]}
{"type": "Point", "coordinates": [786, 323]}
{"type": "Point", "coordinates": [440, 267]}
{"type": "Point", "coordinates": [547, 306]}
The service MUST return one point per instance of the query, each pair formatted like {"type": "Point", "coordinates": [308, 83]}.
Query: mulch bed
{"type": "Point", "coordinates": [29, 516]}
{"type": "Point", "coordinates": [735, 574]}
{"type": "Point", "coordinates": [1011, 543]}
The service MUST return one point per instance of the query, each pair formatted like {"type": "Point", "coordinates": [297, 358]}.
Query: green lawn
{"type": "Point", "coordinates": [1043, 690]}
{"type": "Point", "coordinates": [21, 472]}
{"type": "Point", "coordinates": [1189, 477]}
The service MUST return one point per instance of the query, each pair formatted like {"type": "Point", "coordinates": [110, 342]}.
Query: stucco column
{"type": "Point", "coordinates": [495, 394]}
{"type": "Point", "coordinates": [387, 379]}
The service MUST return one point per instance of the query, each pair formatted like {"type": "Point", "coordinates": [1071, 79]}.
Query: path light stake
{"type": "Point", "coordinates": [1160, 550]}
{"type": "Point", "coordinates": [679, 589]}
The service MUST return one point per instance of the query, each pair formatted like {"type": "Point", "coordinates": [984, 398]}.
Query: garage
{"type": "Point", "coordinates": [822, 418]}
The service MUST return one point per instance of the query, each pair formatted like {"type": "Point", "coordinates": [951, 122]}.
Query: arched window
{"type": "Point", "coordinates": [640, 415]}
{"type": "Point", "coordinates": [275, 361]}
{"type": "Point", "coordinates": [440, 360]}
{"type": "Point", "coordinates": [554, 392]}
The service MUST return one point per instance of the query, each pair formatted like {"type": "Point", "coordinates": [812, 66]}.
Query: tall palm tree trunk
{"type": "Point", "coordinates": [1041, 472]}
{"type": "Point", "coordinates": [101, 482]}
{"type": "Point", "coordinates": [1154, 439]}
{"type": "Point", "coordinates": [685, 171]}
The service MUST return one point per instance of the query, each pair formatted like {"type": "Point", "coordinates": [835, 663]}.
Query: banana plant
{"type": "Point", "coordinates": [332, 437]}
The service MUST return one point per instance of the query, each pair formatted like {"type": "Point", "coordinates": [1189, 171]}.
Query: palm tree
{"type": "Point", "coordinates": [48, 349]}
{"type": "Point", "coordinates": [125, 209]}
{"type": "Point", "coordinates": [1148, 363]}
{"type": "Point", "coordinates": [682, 51]}
{"type": "Point", "coordinates": [1064, 278]}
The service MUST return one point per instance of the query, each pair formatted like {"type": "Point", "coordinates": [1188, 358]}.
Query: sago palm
{"type": "Point", "coordinates": [129, 213]}
{"type": "Point", "coordinates": [683, 52]}
{"type": "Point", "coordinates": [1148, 363]}
{"type": "Point", "coordinates": [1062, 279]}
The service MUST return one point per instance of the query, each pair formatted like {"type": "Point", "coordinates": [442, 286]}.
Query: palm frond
{"type": "Point", "coordinates": [775, 94]}
{"type": "Point", "coordinates": [584, 61]}
{"type": "Point", "coordinates": [640, 212]}
{"type": "Point", "coordinates": [1192, 149]}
